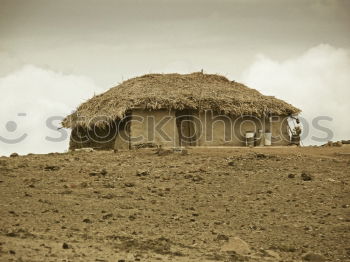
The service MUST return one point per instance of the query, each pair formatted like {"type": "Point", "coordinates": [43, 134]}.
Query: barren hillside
{"type": "Point", "coordinates": [288, 204]}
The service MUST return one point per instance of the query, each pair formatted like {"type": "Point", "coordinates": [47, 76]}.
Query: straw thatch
{"type": "Point", "coordinates": [195, 91]}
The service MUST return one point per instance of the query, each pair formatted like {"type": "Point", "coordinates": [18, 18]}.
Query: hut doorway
{"type": "Point", "coordinates": [186, 128]}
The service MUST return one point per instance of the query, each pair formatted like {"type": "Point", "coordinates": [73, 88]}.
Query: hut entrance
{"type": "Point", "coordinates": [186, 128]}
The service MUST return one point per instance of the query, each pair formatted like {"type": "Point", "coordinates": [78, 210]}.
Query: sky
{"type": "Point", "coordinates": [56, 54]}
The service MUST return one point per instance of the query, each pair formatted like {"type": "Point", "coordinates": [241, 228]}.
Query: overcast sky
{"type": "Point", "coordinates": [55, 54]}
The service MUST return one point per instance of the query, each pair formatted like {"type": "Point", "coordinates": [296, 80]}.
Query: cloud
{"type": "Point", "coordinates": [317, 82]}
{"type": "Point", "coordinates": [32, 96]}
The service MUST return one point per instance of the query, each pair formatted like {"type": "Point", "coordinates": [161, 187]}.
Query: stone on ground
{"type": "Point", "coordinates": [313, 257]}
{"type": "Point", "coordinates": [237, 245]}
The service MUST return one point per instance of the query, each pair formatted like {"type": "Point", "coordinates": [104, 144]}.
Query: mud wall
{"type": "Point", "coordinates": [153, 127]}
{"type": "Point", "coordinates": [161, 128]}
{"type": "Point", "coordinates": [122, 141]}
{"type": "Point", "coordinates": [224, 130]}
{"type": "Point", "coordinates": [97, 138]}
{"type": "Point", "coordinates": [279, 129]}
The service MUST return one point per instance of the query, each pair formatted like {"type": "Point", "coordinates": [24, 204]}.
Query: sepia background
{"type": "Point", "coordinates": [56, 54]}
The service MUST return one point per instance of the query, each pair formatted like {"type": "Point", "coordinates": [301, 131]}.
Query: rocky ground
{"type": "Point", "coordinates": [289, 204]}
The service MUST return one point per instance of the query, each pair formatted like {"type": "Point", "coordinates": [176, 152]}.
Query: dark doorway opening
{"type": "Point", "coordinates": [186, 128]}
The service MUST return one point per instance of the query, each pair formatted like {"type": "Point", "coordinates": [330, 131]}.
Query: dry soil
{"type": "Point", "coordinates": [280, 203]}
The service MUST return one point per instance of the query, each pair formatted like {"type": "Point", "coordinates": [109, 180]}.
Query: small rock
{"type": "Point", "coordinates": [52, 168]}
{"type": "Point", "coordinates": [197, 178]}
{"type": "Point", "coordinates": [236, 245]}
{"type": "Point", "coordinates": [313, 257]}
{"type": "Point", "coordinates": [11, 234]}
{"type": "Point", "coordinates": [260, 156]}
{"type": "Point", "coordinates": [109, 196]}
{"type": "Point", "coordinates": [129, 184]}
{"type": "Point", "coordinates": [291, 176]}
{"type": "Point", "coordinates": [103, 172]}
{"type": "Point", "coordinates": [14, 155]}
{"type": "Point", "coordinates": [88, 221]}
{"type": "Point", "coordinates": [107, 216]}
{"type": "Point", "coordinates": [271, 253]}
{"type": "Point", "coordinates": [93, 173]}
{"type": "Point", "coordinates": [142, 173]}
{"type": "Point", "coordinates": [306, 176]}
{"type": "Point", "coordinates": [65, 246]}
{"type": "Point", "coordinates": [222, 237]}
{"type": "Point", "coordinates": [231, 163]}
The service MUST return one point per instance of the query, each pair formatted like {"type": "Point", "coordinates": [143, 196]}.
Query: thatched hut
{"type": "Point", "coordinates": [179, 110]}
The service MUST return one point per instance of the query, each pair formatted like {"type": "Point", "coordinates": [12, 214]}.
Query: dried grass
{"type": "Point", "coordinates": [195, 91]}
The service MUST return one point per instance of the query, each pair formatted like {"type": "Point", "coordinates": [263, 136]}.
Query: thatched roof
{"type": "Point", "coordinates": [196, 91]}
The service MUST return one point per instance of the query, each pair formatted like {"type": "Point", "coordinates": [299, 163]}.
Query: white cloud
{"type": "Point", "coordinates": [317, 82]}
{"type": "Point", "coordinates": [40, 94]}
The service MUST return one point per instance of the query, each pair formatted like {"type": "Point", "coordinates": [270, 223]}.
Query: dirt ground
{"type": "Point", "coordinates": [249, 204]}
